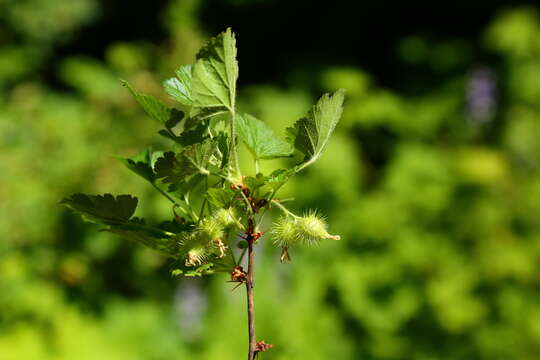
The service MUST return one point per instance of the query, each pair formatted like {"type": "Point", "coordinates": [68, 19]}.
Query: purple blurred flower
{"type": "Point", "coordinates": [190, 305]}
{"type": "Point", "coordinates": [481, 95]}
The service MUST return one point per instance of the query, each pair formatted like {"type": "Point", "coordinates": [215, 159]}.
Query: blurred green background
{"type": "Point", "coordinates": [432, 180]}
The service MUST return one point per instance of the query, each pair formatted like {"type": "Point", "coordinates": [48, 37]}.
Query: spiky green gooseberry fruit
{"type": "Point", "coordinates": [284, 231]}
{"type": "Point", "coordinates": [193, 249]}
{"type": "Point", "coordinates": [313, 229]}
{"type": "Point", "coordinates": [210, 229]}
{"type": "Point", "coordinates": [309, 229]}
{"type": "Point", "coordinates": [227, 218]}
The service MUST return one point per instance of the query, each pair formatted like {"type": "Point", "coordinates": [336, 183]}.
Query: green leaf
{"type": "Point", "coordinates": [199, 155]}
{"type": "Point", "coordinates": [153, 107]}
{"type": "Point", "coordinates": [179, 87]}
{"type": "Point", "coordinates": [181, 188]}
{"type": "Point", "coordinates": [253, 183]}
{"type": "Point", "coordinates": [155, 239]}
{"type": "Point", "coordinates": [260, 139]}
{"type": "Point", "coordinates": [223, 147]}
{"type": "Point", "coordinates": [181, 269]}
{"type": "Point", "coordinates": [154, 157]}
{"type": "Point", "coordinates": [220, 197]}
{"type": "Point", "coordinates": [193, 136]}
{"type": "Point", "coordinates": [194, 159]}
{"type": "Point", "coordinates": [141, 164]}
{"type": "Point", "coordinates": [200, 114]}
{"type": "Point", "coordinates": [278, 178]}
{"type": "Point", "coordinates": [263, 187]}
{"type": "Point", "coordinates": [204, 269]}
{"type": "Point", "coordinates": [214, 77]}
{"type": "Point", "coordinates": [257, 186]}
{"type": "Point", "coordinates": [174, 119]}
{"type": "Point", "coordinates": [170, 169]}
{"type": "Point", "coordinates": [102, 209]}
{"type": "Point", "coordinates": [173, 226]}
{"type": "Point", "coordinates": [176, 272]}
{"type": "Point", "coordinates": [225, 264]}
{"type": "Point", "coordinates": [311, 134]}
{"type": "Point", "coordinates": [189, 136]}
{"type": "Point", "coordinates": [272, 183]}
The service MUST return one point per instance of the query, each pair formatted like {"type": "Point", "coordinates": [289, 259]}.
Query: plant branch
{"type": "Point", "coordinates": [164, 194]}
{"type": "Point", "coordinates": [201, 213]}
{"type": "Point", "coordinates": [283, 208]}
{"type": "Point", "coordinates": [242, 255]}
{"type": "Point", "coordinates": [233, 149]}
{"type": "Point", "coordinates": [249, 288]}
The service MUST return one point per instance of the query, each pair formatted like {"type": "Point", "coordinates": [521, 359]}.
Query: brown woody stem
{"type": "Point", "coordinates": [249, 288]}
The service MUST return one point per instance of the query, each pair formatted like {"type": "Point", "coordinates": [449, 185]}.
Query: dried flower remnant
{"type": "Point", "coordinates": [221, 247]}
{"type": "Point", "coordinates": [238, 274]}
{"type": "Point", "coordinates": [262, 347]}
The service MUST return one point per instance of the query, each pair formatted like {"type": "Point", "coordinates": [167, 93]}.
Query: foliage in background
{"type": "Point", "coordinates": [436, 193]}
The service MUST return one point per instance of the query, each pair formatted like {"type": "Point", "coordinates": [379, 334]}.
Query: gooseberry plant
{"type": "Point", "coordinates": [217, 209]}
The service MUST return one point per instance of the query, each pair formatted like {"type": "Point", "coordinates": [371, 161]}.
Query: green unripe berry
{"type": "Point", "coordinates": [313, 229]}
{"type": "Point", "coordinates": [285, 232]}
{"type": "Point", "coordinates": [211, 229]}
{"type": "Point", "coordinates": [227, 218]}
{"type": "Point", "coordinates": [242, 244]}
{"type": "Point", "coordinates": [193, 249]}
{"type": "Point", "coordinates": [307, 230]}
{"type": "Point", "coordinates": [196, 257]}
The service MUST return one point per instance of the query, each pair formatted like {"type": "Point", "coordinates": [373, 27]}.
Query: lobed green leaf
{"type": "Point", "coordinates": [155, 239]}
{"type": "Point", "coordinates": [261, 140]}
{"type": "Point", "coordinates": [311, 133]}
{"type": "Point", "coordinates": [199, 155]}
{"type": "Point", "coordinates": [142, 164]}
{"type": "Point", "coordinates": [170, 169]}
{"type": "Point", "coordinates": [179, 88]}
{"type": "Point", "coordinates": [102, 209]}
{"type": "Point", "coordinates": [220, 197]}
{"type": "Point", "coordinates": [193, 159]}
{"type": "Point", "coordinates": [214, 77]}
{"type": "Point", "coordinates": [278, 178]}
{"type": "Point", "coordinates": [152, 106]}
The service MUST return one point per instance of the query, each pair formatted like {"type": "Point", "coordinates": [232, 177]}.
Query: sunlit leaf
{"type": "Point", "coordinates": [311, 133]}
{"type": "Point", "coordinates": [179, 87]}
{"type": "Point", "coordinates": [261, 140]}
{"type": "Point", "coordinates": [141, 164]}
{"type": "Point", "coordinates": [193, 159]}
{"type": "Point", "coordinates": [278, 177]}
{"type": "Point", "coordinates": [199, 155]}
{"type": "Point", "coordinates": [219, 197]}
{"type": "Point", "coordinates": [214, 76]}
{"type": "Point", "coordinates": [153, 107]}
